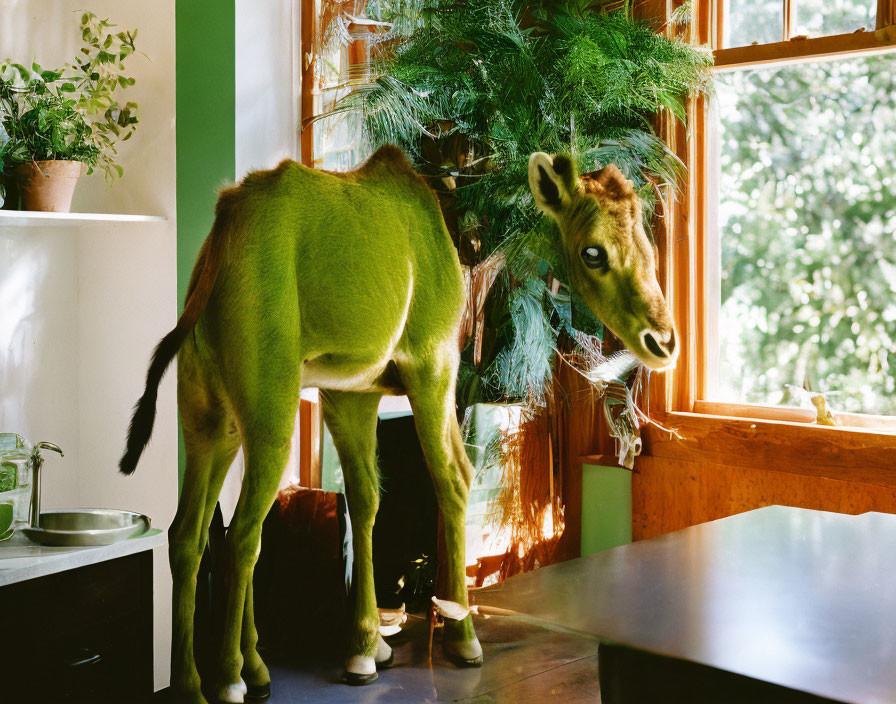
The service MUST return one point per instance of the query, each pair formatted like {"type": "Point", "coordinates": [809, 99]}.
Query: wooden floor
{"type": "Point", "coordinates": [524, 664]}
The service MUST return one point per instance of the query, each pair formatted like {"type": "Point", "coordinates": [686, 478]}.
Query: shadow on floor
{"type": "Point", "coordinates": [524, 664]}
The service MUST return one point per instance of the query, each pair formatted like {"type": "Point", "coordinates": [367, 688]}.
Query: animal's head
{"type": "Point", "coordinates": [611, 262]}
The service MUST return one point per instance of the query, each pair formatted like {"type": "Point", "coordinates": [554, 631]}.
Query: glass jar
{"type": "Point", "coordinates": [15, 476]}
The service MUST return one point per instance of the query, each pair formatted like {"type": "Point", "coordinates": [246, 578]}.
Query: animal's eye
{"type": "Point", "coordinates": [595, 257]}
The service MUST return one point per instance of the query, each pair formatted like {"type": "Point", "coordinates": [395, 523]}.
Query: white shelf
{"type": "Point", "coordinates": [31, 218]}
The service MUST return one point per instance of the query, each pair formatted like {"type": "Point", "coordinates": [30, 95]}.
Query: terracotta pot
{"type": "Point", "coordinates": [48, 186]}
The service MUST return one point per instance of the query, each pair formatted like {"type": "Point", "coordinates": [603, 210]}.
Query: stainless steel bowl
{"type": "Point", "coordinates": [87, 526]}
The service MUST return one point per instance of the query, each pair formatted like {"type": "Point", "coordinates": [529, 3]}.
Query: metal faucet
{"type": "Point", "coordinates": [37, 461]}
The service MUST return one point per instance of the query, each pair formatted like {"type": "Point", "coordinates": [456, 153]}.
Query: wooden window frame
{"type": "Point", "coordinates": [745, 434]}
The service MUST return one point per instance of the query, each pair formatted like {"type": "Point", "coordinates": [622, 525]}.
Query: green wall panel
{"type": "Point", "coordinates": [206, 108]}
{"type": "Point", "coordinates": [606, 508]}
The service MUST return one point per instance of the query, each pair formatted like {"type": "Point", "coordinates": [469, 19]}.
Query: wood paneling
{"type": "Point", "coordinates": [837, 453]}
{"type": "Point", "coordinates": [578, 430]}
{"type": "Point", "coordinates": [670, 494]}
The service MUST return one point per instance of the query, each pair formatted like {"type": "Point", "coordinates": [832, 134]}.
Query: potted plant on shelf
{"type": "Point", "coordinates": [55, 124]}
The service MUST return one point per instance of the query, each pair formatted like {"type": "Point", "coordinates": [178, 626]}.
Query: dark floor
{"type": "Point", "coordinates": [524, 664]}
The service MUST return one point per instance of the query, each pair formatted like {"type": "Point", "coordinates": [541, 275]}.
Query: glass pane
{"type": "Point", "coordinates": [807, 219]}
{"type": "Point", "coordinates": [816, 18]}
{"type": "Point", "coordinates": [753, 22]}
{"type": "Point", "coordinates": [338, 142]}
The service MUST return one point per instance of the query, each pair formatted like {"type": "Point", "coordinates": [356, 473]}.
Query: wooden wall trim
{"type": "Point", "coordinates": [309, 444]}
{"type": "Point", "coordinates": [307, 68]}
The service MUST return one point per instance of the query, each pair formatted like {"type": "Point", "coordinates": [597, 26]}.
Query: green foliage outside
{"type": "Point", "coordinates": [762, 21]}
{"type": "Point", "coordinates": [808, 233]}
{"type": "Point", "coordinates": [71, 112]}
{"type": "Point", "coordinates": [470, 89]}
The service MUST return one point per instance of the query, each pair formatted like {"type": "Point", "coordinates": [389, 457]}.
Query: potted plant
{"type": "Point", "coordinates": [55, 124]}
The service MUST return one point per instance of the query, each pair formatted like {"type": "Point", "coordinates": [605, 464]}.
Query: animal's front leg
{"type": "Point", "coordinates": [351, 419]}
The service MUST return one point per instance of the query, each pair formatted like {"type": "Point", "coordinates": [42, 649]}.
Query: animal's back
{"type": "Point", "coordinates": [361, 262]}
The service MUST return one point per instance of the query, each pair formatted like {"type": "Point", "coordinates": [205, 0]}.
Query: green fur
{"type": "Point", "coordinates": [347, 282]}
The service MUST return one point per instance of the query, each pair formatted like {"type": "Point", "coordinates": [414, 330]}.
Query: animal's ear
{"type": "Point", "coordinates": [551, 180]}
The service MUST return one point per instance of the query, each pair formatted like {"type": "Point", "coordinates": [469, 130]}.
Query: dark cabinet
{"type": "Point", "coordinates": [82, 635]}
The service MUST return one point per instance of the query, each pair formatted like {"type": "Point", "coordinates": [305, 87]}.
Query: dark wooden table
{"type": "Point", "coordinates": [801, 602]}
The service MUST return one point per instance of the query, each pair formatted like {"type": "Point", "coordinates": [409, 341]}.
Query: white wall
{"type": "Point", "coordinates": [267, 99]}
{"type": "Point", "coordinates": [80, 310]}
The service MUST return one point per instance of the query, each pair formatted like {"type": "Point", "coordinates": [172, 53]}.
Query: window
{"type": "Point", "coordinates": [806, 225]}
{"type": "Point", "coordinates": [781, 261]}
{"type": "Point", "coordinates": [766, 21]}
{"type": "Point", "coordinates": [336, 51]}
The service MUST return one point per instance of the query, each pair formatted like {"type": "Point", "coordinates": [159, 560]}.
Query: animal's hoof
{"type": "Point", "coordinates": [232, 693]}
{"type": "Point", "coordinates": [385, 657]}
{"type": "Point", "coordinates": [360, 670]}
{"type": "Point", "coordinates": [387, 663]}
{"type": "Point", "coordinates": [465, 653]}
{"type": "Point", "coordinates": [358, 680]}
{"type": "Point", "coordinates": [258, 692]}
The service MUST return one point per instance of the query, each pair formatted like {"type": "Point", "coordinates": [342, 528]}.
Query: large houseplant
{"type": "Point", "coordinates": [56, 123]}
{"type": "Point", "coordinates": [470, 88]}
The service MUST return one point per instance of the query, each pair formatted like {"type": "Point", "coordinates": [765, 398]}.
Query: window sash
{"type": "Point", "coordinates": [886, 23]}
{"type": "Point", "coordinates": [690, 273]}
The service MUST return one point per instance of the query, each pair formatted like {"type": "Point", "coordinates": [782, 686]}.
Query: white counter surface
{"type": "Point", "coordinates": [21, 560]}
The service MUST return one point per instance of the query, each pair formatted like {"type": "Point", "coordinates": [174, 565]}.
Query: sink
{"type": "Point", "coordinates": [87, 526]}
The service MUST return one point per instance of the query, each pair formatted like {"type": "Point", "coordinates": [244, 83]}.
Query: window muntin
{"type": "Point", "coordinates": [806, 223]}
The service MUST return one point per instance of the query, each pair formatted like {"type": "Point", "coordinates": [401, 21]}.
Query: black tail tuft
{"type": "Point", "coordinates": [145, 411]}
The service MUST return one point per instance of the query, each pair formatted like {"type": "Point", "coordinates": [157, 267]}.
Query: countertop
{"type": "Point", "coordinates": [21, 560]}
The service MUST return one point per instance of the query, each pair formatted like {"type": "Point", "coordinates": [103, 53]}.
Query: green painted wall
{"type": "Point", "coordinates": [206, 107]}
{"type": "Point", "coordinates": [606, 508]}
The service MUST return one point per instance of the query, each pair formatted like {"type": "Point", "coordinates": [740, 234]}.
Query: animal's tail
{"type": "Point", "coordinates": [197, 297]}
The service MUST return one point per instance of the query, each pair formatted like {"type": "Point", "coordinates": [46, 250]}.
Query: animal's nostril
{"type": "Point", "coordinates": [670, 345]}
{"type": "Point", "coordinates": [651, 344]}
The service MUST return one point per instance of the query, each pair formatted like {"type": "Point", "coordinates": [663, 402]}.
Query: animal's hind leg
{"type": "Point", "coordinates": [255, 672]}
{"type": "Point", "coordinates": [351, 419]}
{"type": "Point", "coordinates": [266, 422]}
{"type": "Point", "coordinates": [430, 386]}
{"type": "Point", "coordinates": [210, 448]}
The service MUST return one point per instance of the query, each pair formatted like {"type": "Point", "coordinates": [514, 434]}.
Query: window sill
{"type": "Point", "coordinates": [792, 414]}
